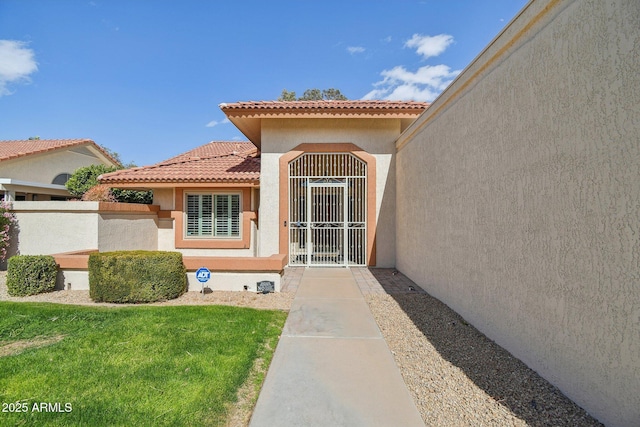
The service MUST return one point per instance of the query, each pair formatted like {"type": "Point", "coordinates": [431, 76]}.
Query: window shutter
{"type": "Point", "coordinates": [199, 218]}
{"type": "Point", "coordinates": [222, 215]}
{"type": "Point", "coordinates": [227, 215]}
{"type": "Point", "coordinates": [192, 214]}
{"type": "Point", "coordinates": [235, 215]}
{"type": "Point", "coordinates": [206, 220]}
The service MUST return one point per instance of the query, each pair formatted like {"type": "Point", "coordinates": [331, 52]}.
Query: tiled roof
{"type": "Point", "coordinates": [325, 105]}
{"type": "Point", "coordinates": [20, 148]}
{"type": "Point", "coordinates": [248, 116]}
{"type": "Point", "coordinates": [213, 162]}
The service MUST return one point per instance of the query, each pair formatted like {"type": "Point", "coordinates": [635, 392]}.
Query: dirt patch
{"type": "Point", "coordinates": [239, 413]}
{"type": "Point", "coordinates": [18, 347]}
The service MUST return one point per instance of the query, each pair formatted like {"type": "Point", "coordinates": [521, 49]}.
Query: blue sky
{"type": "Point", "coordinates": [144, 78]}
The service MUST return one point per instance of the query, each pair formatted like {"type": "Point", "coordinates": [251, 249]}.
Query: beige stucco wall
{"type": "Point", "coordinates": [126, 232]}
{"type": "Point", "coordinates": [233, 281]}
{"type": "Point", "coordinates": [518, 196]}
{"type": "Point", "coordinates": [45, 167]}
{"type": "Point", "coordinates": [78, 280]}
{"type": "Point", "coordinates": [54, 227]}
{"type": "Point", "coordinates": [375, 136]}
{"type": "Point", "coordinates": [165, 198]}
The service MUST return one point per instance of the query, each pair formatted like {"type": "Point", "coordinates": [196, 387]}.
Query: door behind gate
{"type": "Point", "coordinates": [327, 212]}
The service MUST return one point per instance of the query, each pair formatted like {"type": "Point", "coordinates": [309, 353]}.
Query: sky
{"type": "Point", "coordinates": [144, 78]}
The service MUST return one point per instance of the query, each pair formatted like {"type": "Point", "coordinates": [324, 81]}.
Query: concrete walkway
{"type": "Point", "coordinates": [332, 367]}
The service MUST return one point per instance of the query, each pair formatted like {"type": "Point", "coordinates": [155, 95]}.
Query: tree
{"type": "Point", "coordinates": [313, 95]}
{"type": "Point", "coordinates": [83, 179]}
{"type": "Point", "coordinates": [287, 95]}
{"type": "Point", "coordinates": [86, 178]}
{"type": "Point", "coordinates": [333, 94]}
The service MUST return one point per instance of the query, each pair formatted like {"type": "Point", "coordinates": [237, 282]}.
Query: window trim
{"type": "Point", "coordinates": [189, 242]}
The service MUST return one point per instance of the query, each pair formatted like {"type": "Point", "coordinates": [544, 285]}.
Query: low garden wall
{"type": "Point", "coordinates": [45, 228]}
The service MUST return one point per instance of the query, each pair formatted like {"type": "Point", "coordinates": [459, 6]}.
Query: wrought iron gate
{"type": "Point", "coordinates": [327, 210]}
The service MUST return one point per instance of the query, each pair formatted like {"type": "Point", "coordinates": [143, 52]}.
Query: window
{"type": "Point", "coordinates": [213, 215]}
{"type": "Point", "coordinates": [61, 179]}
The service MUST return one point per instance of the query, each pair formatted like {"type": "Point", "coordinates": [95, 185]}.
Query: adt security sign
{"type": "Point", "coordinates": [203, 275]}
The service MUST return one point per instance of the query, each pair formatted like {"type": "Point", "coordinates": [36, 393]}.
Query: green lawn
{"type": "Point", "coordinates": [128, 366]}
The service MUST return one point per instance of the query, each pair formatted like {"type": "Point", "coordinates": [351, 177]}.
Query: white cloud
{"type": "Point", "coordinates": [429, 46]}
{"type": "Point", "coordinates": [424, 84]}
{"type": "Point", "coordinates": [17, 62]}
{"type": "Point", "coordinates": [402, 85]}
{"type": "Point", "coordinates": [213, 123]}
{"type": "Point", "coordinates": [355, 49]}
{"type": "Point", "coordinates": [436, 76]}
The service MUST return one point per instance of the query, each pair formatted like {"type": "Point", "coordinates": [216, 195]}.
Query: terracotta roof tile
{"type": "Point", "coordinates": [20, 148]}
{"type": "Point", "coordinates": [325, 105]}
{"type": "Point", "coordinates": [212, 162]}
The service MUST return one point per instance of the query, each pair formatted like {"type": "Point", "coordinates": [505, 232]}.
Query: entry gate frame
{"type": "Point", "coordinates": [354, 173]}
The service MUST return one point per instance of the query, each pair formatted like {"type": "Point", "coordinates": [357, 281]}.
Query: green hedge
{"type": "Point", "coordinates": [136, 276]}
{"type": "Point", "coordinates": [31, 274]}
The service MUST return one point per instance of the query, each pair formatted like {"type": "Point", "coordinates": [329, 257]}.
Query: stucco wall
{"type": "Point", "coordinates": [54, 227]}
{"type": "Point", "coordinates": [122, 232]}
{"type": "Point", "coordinates": [233, 281]}
{"type": "Point", "coordinates": [42, 233]}
{"type": "Point", "coordinates": [518, 199]}
{"type": "Point", "coordinates": [375, 136]}
{"type": "Point", "coordinates": [45, 167]}
{"type": "Point", "coordinates": [165, 198]}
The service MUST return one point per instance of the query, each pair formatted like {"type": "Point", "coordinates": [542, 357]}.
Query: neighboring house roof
{"type": "Point", "coordinates": [247, 116]}
{"type": "Point", "coordinates": [21, 148]}
{"type": "Point", "coordinates": [215, 162]}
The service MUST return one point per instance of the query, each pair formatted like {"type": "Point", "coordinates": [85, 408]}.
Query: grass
{"type": "Point", "coordinates": [142, 366]}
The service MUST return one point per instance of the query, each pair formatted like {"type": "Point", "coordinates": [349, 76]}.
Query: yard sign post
{"type": "Point", "coordinates": [203, 275]}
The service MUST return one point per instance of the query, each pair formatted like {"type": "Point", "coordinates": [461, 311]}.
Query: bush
{"type": "Point", "coordinates": [136, 276]}
{"type": "Point", "coordinates": [7, 223]}
{"type": "Point", "coordinates": [86, 177]}
{"type": "Point", "coordinates": [99, 193]}
{"type": "Point", "coordinates": [84, 180]}
{"type": "Point", "coordinates": [31, 274]}
{"type": "Point", "coordinates": [133, 196]}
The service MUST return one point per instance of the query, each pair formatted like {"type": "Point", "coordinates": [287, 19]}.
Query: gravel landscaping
{"type": "Point", "coordinates": [457, 376]}
{"type": "Point", "coordinates": [272, 301]}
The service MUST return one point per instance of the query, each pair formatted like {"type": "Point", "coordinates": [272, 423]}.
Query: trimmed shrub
{"type": "Point", "coordinates": [136, 276]}
{"type": "Point", "coordinates": [31, 274]}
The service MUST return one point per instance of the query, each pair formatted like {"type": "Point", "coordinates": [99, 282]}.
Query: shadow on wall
{"type": "Point", "coordinates": [493, 369]}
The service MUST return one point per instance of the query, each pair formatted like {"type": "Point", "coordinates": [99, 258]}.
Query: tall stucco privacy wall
{"type": "Point", "coordinates": [518, 198]}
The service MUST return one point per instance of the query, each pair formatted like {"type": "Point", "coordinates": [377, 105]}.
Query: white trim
{"type": "Point", "coordinates": [9, 181]}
